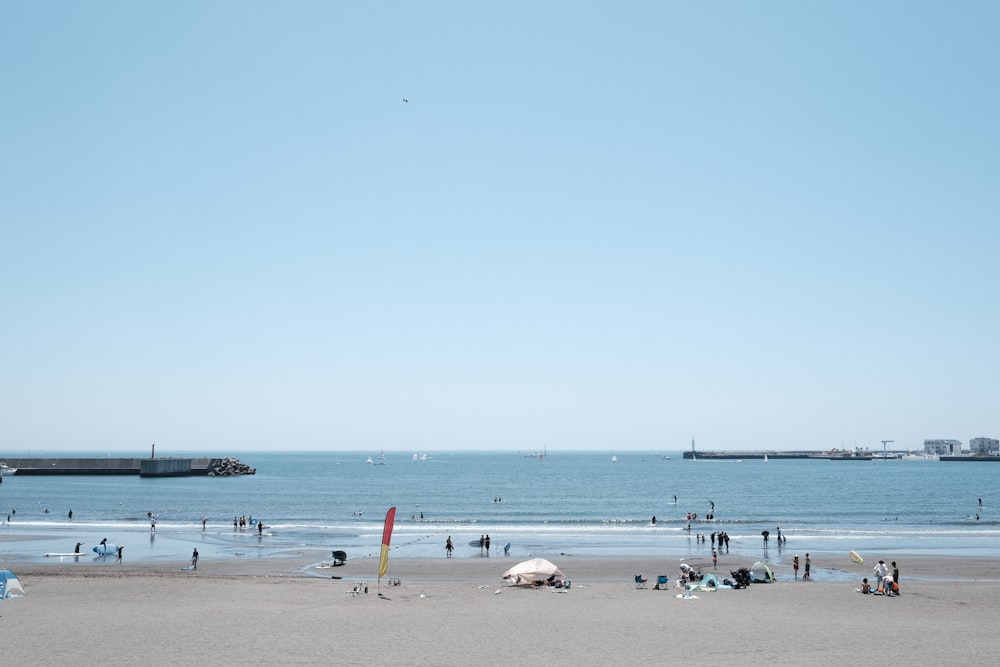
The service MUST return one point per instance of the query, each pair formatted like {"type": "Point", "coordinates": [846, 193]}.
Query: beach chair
{"type": "Point", "coordinates": [339, 557]}
{"type": "Point", "coordinates": [640, 581]}
{"type": "Point", "coordinates": [661, 583]}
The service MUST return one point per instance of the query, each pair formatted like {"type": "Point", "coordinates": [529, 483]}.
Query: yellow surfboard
{"type": "Point", "coordinates": [856, 557]}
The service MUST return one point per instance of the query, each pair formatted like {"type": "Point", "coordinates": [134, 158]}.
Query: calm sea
{"type": "Point", "coordinates": [575, 503]}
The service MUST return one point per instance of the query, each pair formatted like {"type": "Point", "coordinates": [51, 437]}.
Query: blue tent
{"type": "Point", "coordinates": [10, 587]}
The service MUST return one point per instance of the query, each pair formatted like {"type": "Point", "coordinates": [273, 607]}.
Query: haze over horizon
{"type": "Point", "coordinates": [442, 226]}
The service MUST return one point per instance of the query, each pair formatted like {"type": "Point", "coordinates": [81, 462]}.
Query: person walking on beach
{"type": "Point", "coordinates": [765, 533]}
{"type": "Point", "coordinates": [194, 559]}
{"type": "Point", "coordinates": [482, 541]}
{"type": "Point", "coordinates": [808, 566]}
{"type": "Point", "coordinates": [121, 549]}
{"type": "Point", "coordinates": [715, 559]}
{"type": "Point", "coordinates": [152, 524]}
{"type": "Point", "coordinates": [448, 547]}
{"type": "Point", "coordinates": [795, 566]}
{"type": "Point", "coordinates": [487, 543]}
{"type": "Point", "coordinates": [204, 522]}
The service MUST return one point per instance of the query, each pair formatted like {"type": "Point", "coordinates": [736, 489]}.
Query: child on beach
{"type": "Point", "coordinates": [795, 566]}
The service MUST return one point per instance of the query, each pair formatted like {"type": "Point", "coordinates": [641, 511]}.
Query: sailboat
{"type": "Point", "coordinates": [765, 458]}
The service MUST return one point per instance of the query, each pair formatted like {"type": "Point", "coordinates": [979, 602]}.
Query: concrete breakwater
{"type": "Point", "coordinates": [144, 467]}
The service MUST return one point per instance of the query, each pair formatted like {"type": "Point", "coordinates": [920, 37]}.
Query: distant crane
{"type": "Point", "coordinates": [884, 443]}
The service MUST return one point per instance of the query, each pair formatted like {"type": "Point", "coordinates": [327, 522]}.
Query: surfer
{"type": "Point", "coordinates": [78, 545]}
{"type": "Point", "coordinates": [120, 550]}
{"type": "Point", "coordinates": [194, 559]}
{"type": "Point", "coordinates": [260, 527]}
{"type": "Point", "coordinates": [448, 547]}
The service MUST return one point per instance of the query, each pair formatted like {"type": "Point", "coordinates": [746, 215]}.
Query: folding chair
{"type": "Point", "coordinates": [640, 581]}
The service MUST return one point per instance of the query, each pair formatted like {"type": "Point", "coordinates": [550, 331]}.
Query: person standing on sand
{"type": "Point", "coordinates": [795, 566]}
{"type": "Point", "coordinates": [194, 559]}
{"type": "Point", "coordinates": [487, 543]}
{"type": "Point", "coordinates": [121, 549]}
{"type": "Point", "coordinates": [808, 566]}
{"type": "Point", "coordinates": [715, 560]}
{"type": "Point", "coordinates": [448, 547]}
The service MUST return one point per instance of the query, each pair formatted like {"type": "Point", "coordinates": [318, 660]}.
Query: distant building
{"type": "Point", "coordinates": [943, 447]}
{"type": "Point", "coordinates": [984, 446]}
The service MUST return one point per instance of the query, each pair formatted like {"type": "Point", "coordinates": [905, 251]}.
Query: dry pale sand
{"type": "Point", "coordinates": [448, 612]}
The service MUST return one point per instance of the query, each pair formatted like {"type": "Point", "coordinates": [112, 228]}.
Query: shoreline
{"type": "Point", "coordinates": [827, 568]}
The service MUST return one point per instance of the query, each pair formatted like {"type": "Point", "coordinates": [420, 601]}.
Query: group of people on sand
{"type": "Point", "coordinates": [886, 581]}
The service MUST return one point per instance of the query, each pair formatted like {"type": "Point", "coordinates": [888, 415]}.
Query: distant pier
{"type": "Point", "coordinates": [727, 456]}
{"type": "Point", "coordinates": [832, 455]}
{"type": "Point", "coordinates": [143, 467]}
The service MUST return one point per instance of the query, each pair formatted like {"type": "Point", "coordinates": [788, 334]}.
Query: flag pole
{"type": "Point", "coordinates": [383, 561]}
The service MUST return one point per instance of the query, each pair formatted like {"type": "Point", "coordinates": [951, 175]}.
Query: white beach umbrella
{"type": "Point", "coordinates": [530, 571]}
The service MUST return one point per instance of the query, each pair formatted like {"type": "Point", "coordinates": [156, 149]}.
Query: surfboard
{"type": "Point", "coordinates": [188, 567]}
{"type": "Point", "coordinates": [61, 555]}
{"type": "Point", "coordinates": [105, 549]}
{"type": "Point", "coordinates": [856, 557]}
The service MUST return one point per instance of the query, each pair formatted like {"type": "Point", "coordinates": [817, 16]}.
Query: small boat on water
{"type": "Point", "coordinates": [6, 470]}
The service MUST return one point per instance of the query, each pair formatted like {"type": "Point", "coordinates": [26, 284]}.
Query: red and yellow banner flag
{"type": "Point", "coordinates": [383, 562]}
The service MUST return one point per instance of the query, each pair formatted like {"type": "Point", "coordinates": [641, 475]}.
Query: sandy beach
{"type": "Point", "coordinates": [457, 611]}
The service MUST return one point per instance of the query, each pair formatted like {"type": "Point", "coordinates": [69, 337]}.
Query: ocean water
{"type": "Point", "coordinates": [565, 503]}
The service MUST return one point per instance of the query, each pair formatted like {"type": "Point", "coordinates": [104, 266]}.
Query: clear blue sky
{"type": "Point", "coordinates": [603, 226]}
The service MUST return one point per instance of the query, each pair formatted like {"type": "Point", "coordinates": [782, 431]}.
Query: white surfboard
{"type": "Point", "coordinates": [59, 555]}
